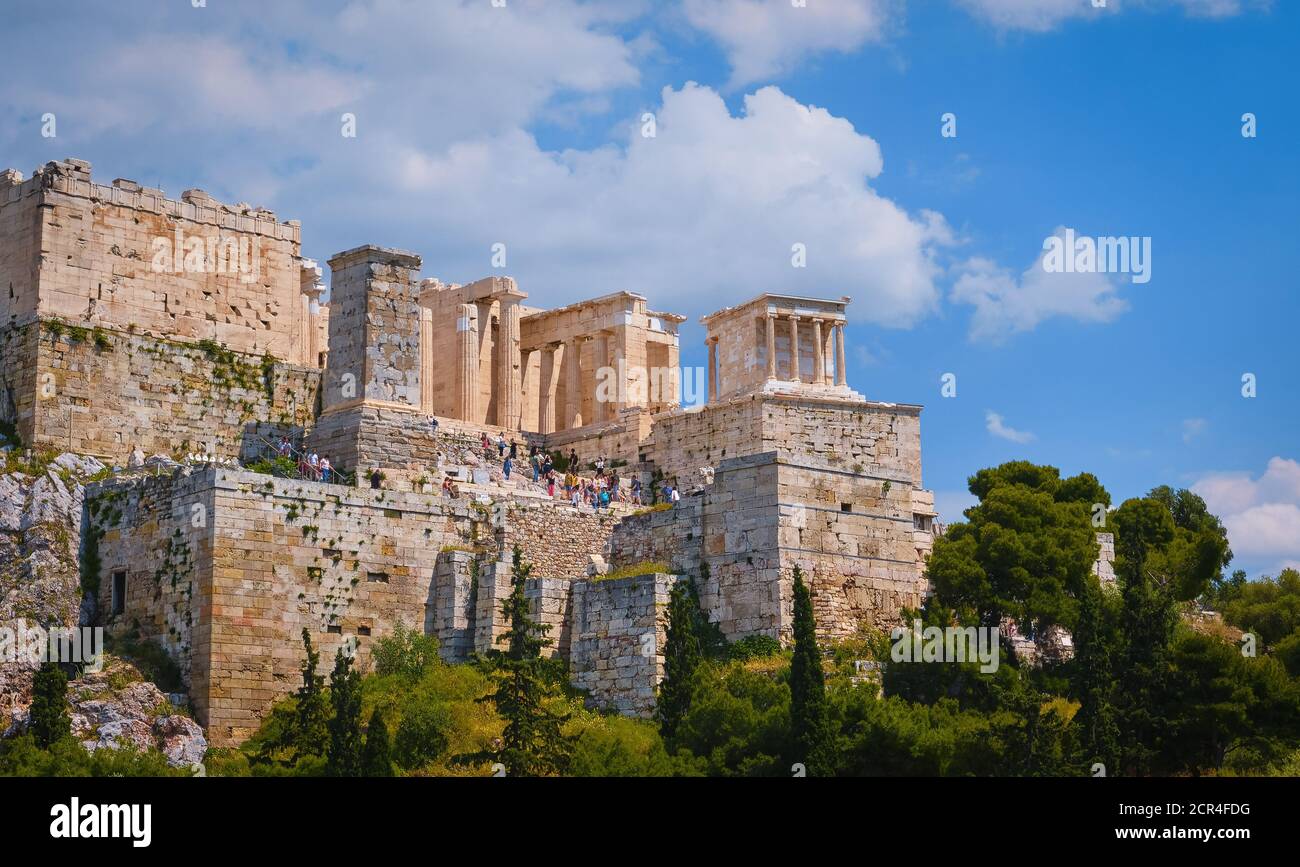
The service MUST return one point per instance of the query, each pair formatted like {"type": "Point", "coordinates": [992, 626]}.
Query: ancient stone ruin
{"type": "Point", "coordinates": [135, 324]}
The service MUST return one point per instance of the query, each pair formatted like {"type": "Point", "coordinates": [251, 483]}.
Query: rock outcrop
{"type": "Point", "coordinates": [106, 712]}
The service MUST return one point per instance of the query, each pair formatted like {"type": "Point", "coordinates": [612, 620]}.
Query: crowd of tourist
{"type": "Point", "coordinates": [601, 489]}
{"type": "Point", "coordinates": [311, 466]}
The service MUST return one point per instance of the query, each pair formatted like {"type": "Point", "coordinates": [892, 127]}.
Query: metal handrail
{"type": "Point", "coordinates": [271, 451]}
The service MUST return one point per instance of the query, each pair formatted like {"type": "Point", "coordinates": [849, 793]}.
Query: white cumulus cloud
{"type": "Point", "coordinates": [703, 214]}
{"type": "Point", "coordinates": [1043, 15]}
{"type": "Point", "coordinates": [997, 427]}
{"type": "Point", "coordinates": [764, 38]}
{"type": "Point", "coordinates": [1006, 305]}
{"type": "Point", "coordinates": [1262, 515]}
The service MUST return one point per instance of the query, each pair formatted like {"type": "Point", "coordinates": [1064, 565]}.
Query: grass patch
{"type": "Point", "coordinates": [643, 568]}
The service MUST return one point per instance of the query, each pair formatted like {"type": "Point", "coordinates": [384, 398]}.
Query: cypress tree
{"type": "Point", "coordinates": [309, 733]}
{"type": "Point", "coordinates": [681, 659]}
{"type": "Point", "coordinates": [48, 721]}
{"type": "Point", "coordinates": [1093, 681]}
{"type": "Point", "coordinates": [1143, 527]}
{"type": "Point", "coordinates": [812, 742]}
{"type": "Point", "coordinates": [532, 743]}
{"type": "Point", "coordinates": [343, 759]}
{"type": "Point", "coordinates": [376, 760]}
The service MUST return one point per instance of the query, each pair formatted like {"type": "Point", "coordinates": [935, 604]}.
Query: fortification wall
{"type": "Point", "coordinates": [619, 631]}
{"type": "Point", "coordinates": [684, 442]}
{"type": "Point", "coordinates": [155, 548]}
{"type": "Point", "coordinates": [127, 257]}
{"type": "Point", "coordinates": [557, 540]}
{"type": "Point", "coordinates": [277, 556]}
{"type": "Point", "coordinates": [854, 537]}
{"type": "Point", "coordinates": [102, 392]}
{"type": "Point", "coordinates": [20, 231]}
{"type": "Point", "coordinates": [18, 361]}
{"type": "Point", "coordinates": [865, 437]}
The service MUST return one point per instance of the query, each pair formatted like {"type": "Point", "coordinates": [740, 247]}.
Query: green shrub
{"type": "Point", "coordinates": [21, 757]}
{"type": "Point", "coordinates": [608, 745]}
{"type": "Point", "coordinates": [643, 568]}
{"type": "Point", "coordinates": [150, 658]}
{"type": "Point", "coordinates": [406, 653]}
{"type": "Point", "coordinates": [753, 647]}
{"type": "Point", "coordinates": [422, 737]}
{"type": "Point", "coordinates": [277, 466]}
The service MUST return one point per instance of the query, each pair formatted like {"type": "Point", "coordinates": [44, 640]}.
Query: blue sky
{"type": "Point", "coordinates": [778, 125]}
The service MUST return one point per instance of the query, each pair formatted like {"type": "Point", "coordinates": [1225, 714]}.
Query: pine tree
{"type": "Point", "coordinates": [376, 760]}
{"type": "Point", "coordinates": [343, 759]}
{"type": "Point", "coordinates": [681, 659]}
{"type": "Point", "coordinates": [1093, 682]}
{"type": "Point", "coordinates": [48, 720]}
{"type": "Point", "coordinates": [812, 741]}
{"type": "Point", "coordinates": [309, 732]}
{"type": "Point", "coordinates": [532, 743]}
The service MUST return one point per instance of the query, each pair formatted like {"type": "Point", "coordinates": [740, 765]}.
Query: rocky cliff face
{"type": "Point", "coordinates": [40, 532]}
{"type": "Point", "coordinates": [40, 585]}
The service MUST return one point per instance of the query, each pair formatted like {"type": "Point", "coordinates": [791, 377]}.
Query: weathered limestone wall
{"type": "Point", "coordinates": [374, 329]}
{"type": "Point", "coordinates": [346, 564]}
{"type": "Point", "coordinates": [550, 603]}
{"type": "Point", "coordinates": [19, 350]}
{"type": "Point", "coordinates": [156, 531]}
{"type": "Point", "coordinates": [685, 442]}
{"type": "Point", "coordinates": [451, 618]}
{"type": "Point", "coordinates": [854, 537]}
{"type": "Point", "coordinates": [339, 562]}
{"type": "Point", "coordinates": [104, 393]}
{"type": "Point", "coordinates": [618, 636]}
{"type": "Point", "coordinates": [863, 437]}
{"type": "Point", "coordinates": [557, 540]}
{"type": "Point", "coordinates": [127, 257]}
{"type": "Point", "coordinates": [672, 536]}
{"type": "Point", "coordinates": [875, 439]}
{"type": "Point", "coordinates": [20, 230]}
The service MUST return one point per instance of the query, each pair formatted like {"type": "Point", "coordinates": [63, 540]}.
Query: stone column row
{"type": "Point", "coordinates": [820, 375]}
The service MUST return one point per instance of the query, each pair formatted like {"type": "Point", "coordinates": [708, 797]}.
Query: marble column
{"type": "Point", "coordinates": [467, 363]}
{"type": "Point", "coordinates": [794, 349]}
{"type": "Point", "coordinates": [713, 369]}
{"type": "Point", "coordinates": [573, 383]}
{"type": "Point", "coordinates": [507, 352]}
{"type": "Point", "coordinates": [600, 362]}
{"type": "Point", "coordinates": [839, 353]}
{"type": "Point", "coordinates": [771, 345]}
{"type": "Point", "coordinates": [819, 354]}
{"type": "Point", "coordinates": [618, 342]}
{"type": "Point", "coordinates": [312, 288]}
{"type": "Point", "coordinates": [426, 360]}
{"type": "Point", "coordinates": [547, 384]}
